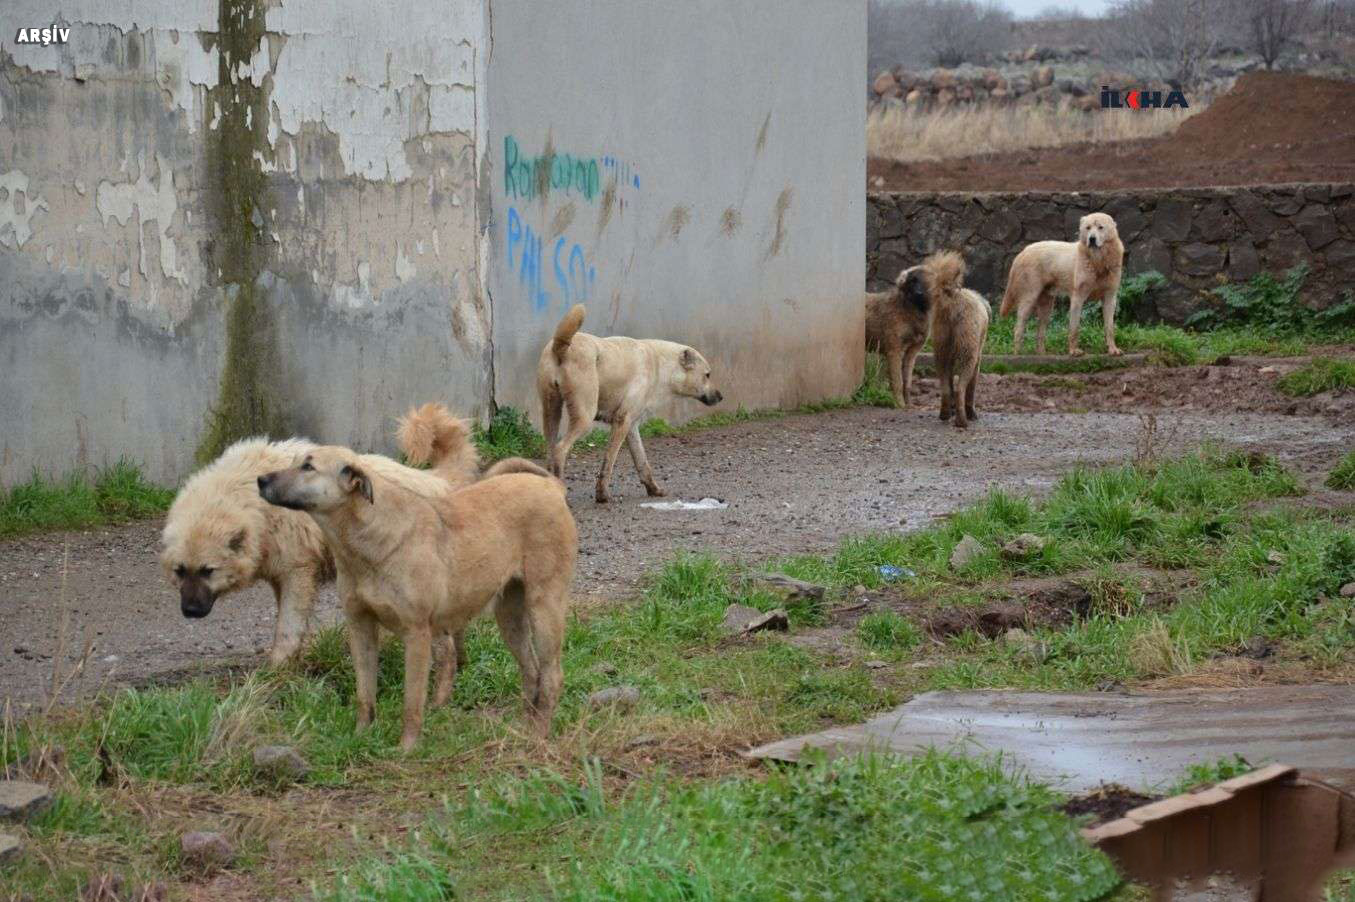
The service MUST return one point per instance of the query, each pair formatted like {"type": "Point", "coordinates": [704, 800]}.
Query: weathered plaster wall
{"type": "Point", "coordinates": [689, 171]}
{"type": "Point", "coordinates": [120, 202]}
{"type": "Point", "coordinates": [1198, 238]}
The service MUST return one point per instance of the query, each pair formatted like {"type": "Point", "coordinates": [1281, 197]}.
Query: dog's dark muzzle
{"type": "Point", "coordinates": [1091, 241]}
{"type": "Point", "coordinates": [195, 599]}
{"type": "Point", "coordinates": [269, 491]}
{"type": "Point", "coordinates": [710, 399]}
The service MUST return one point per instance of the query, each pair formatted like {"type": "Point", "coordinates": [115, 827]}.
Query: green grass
{"type": "Point", "coordinates": [1322, 374]}
{"type": "Point", "coordinates": [1342, 476]}
{"type": "Point", "coordinates": [480, 811]}
{"type": "Point", "coordinates": [116, 494]}
{"type": "Point", "coordinates": [1209, 772]}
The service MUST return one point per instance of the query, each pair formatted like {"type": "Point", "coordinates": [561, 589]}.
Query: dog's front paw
{"type": "Point", "coordinates": [1114, 351]}
{"type": "Point", "coordinates": [601, 496]}
{"type": "Point", "coordinates": [654, 491]}
{"type": "Point", "coordinates": [1075, 352]}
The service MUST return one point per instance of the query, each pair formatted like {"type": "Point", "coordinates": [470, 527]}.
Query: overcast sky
{"type": "Point", "coordinates": [1024, 9]}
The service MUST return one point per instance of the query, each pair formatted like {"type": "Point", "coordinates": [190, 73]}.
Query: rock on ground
{"type": "Point", "coordinates": [622, 697]}
{"type": "Point", "coordinates": [738, 616]}
{"type": "Point", "coordinates": [1348, 590]}
{"type": "Point", "coordinates": [966, 550]}
{"type": "Point", "coordinates": [206, 851]}
{"type": "Point", "coordinates": [10, 847]}
{"type": "Point", "coordinates": [280, 762]}
{"type": "Point", "coordinates": [1027, 544]}
{"type": "Point", "coordinates": [20, 800]}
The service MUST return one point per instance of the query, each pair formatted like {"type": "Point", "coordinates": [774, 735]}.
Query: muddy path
{"type": "Point", "coordinates": [795, 484]}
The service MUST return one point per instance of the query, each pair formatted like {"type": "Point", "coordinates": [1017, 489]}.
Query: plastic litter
{"type": "Point", "coordinates": [705, 504]}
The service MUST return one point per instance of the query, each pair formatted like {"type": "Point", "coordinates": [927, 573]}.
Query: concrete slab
{"type": "Point", "coordinates": [1077, 741]}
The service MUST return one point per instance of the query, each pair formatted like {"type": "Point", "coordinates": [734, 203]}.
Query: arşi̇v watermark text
{"type": "Point", "coordinates": [44, 35]}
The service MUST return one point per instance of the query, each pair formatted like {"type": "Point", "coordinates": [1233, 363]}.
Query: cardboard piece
{"type": "Point", "coordinates": [1272, 835]}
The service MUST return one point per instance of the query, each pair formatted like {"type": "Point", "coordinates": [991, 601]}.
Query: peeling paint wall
{"type": "Point", "coordinates": [114, 299]}
{"type": "Point", "coordinates": [689, 171]}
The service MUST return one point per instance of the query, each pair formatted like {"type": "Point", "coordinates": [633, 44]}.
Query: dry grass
{"type": "Point", "coordinates": [909, 135]}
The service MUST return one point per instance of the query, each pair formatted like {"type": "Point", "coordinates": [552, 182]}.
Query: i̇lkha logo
{"type": "Point", "coordinates": [1141, 100]}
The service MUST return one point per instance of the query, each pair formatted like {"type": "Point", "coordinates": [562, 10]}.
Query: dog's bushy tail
{"type": "Point", "coordinates": [564, 333]}
{"type": "Point", "coordinates": [947, 270]}
{"type": "Point", "coordinates": [431, 435]}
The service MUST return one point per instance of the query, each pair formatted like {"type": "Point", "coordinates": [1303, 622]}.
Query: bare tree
{"type": "Point", "coordinates": [1170, 40]}
{"type": "Point", "coordinates": [936, 32]}
{"type": "Point", "coordinates": [1273, 24]}
{"type": "Point", "coordinates": [965, 31]}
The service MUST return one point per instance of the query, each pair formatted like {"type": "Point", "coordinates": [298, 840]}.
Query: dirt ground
{"type": "Point", "coordinates": [1270, 128]}
{"type": "Point", "coordinates": [796, 484]}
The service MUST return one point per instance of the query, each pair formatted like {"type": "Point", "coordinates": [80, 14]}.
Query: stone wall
{"type": "Point", "coordinates": [1197, 238]}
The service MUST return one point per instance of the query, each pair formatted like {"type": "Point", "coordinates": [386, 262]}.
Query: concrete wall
{"type": "Point", "coordinates": [1197, 238]}
{"type": "Point", "coordinates": [316, 158]}
{"type": "Point", "coordinates": [704, 164]}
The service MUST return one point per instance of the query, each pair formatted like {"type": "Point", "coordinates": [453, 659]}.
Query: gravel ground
{"type": "Point", "coordinates": [792, 485]}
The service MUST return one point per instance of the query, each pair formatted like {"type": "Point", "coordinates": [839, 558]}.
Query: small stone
{"type": "Point", "coordinates": [20, 800]}
{"type": "Point", "coordinates": [966, 550]}
{"type": "Point", "coordinates": [620, 697]}
{"type": "Point", "coordinates": [877, 664]}
{"type": "Point", "coordinates": [1267, 370]}
{"type": "Point", "coordinates": [640, 742]}
{"type": "Point", "coordinates": [858, 590]}
{"type": "Point", "coordinates": [1275, 558]}
{"type": "Point", "coordinates": [1348, 590]}
{"type": "Point", "coordinates": [281, 762]}
{"type": "Point", "coordinates": [738, 616]}
{"type": "Point", "coordinates": [206, 851]}
{"type": "Point", "coordinates": [10, 847]}
{"type": "Point", "coordinates": [1026, 645]}
{"type": "Point", "coordinates": [607, 668]}
{"type": "Point", "coordinates": [1023, 546]}
{"type": "Point", "coordinates": [776, 619]}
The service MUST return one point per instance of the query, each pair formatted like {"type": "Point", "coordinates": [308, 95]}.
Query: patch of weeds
{"type": "Point", "coordinates": [509, 434]}
{"type": "Point", "coordinates": [116, 494]}
{"type": "Point", "coordinates": [1322, 374]}
{"type": "Point", "coordinates": [398, 876]}
{"type": "Point", "coordinates": [1273, 305]}
{"type": "Point", "coordinates": [931, 827]}
{"type": "Point", "coordinates": [888, 631]}
{"type": "Point", "coordinates": [1209, 773]}
{"type": "Point", "coordinates": [1342, 476]}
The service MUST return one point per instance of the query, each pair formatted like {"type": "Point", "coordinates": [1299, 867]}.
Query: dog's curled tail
{"type": "Point", "coordinates": [431, 435]}
{"type": "Point", "coordinates": [947, 270]}
{"type": "Point", "coordinates": [564, 333]}
{"type": "Point", "coordinates": [521, 465]}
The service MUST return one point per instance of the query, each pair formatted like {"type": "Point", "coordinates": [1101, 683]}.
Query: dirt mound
{"type": "Point", "coordinates": [1270, 128]}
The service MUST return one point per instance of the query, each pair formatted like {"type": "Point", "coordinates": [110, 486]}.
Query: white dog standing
{"type": "Point", "coordinates": [1085, 269]}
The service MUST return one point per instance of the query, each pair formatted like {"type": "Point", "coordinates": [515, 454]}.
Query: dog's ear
{"type": "Point", "coordinates": [354, 480]}
{"type": "Point", "coordinates": [687, 359]}
{"type": "Point", "coordinates": [914, 291]}
{"type": "Point", "coordinates": [237, 541]}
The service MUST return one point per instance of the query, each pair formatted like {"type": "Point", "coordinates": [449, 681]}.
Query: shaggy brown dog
{"type": "Point", "coordinates": [614, 380]}
{"type": "Point", "coordinates": [1085, 269]}
{"type": "Point", "coordinates": [221, 537]}
{"type": "Point", "coordinates": [959, 327]}
{"type": "Point", "coordinates": [897, 328]}
{"type": "Point", "coordinates": [422, 558]}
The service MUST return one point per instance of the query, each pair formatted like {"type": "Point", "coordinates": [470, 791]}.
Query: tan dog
{"type": "Point", "coordinates": [422, 558]}
{"type": "Point", "coordinates": [897, 328]}
{"type": "Point", "coordinates": [1085, 269]}
{"type": "Point", "coordinates": [221, 537]}
{"type": "Point", "coordinates": [614, 380]}
{"type": "Point", "coordinates": [959, 327]}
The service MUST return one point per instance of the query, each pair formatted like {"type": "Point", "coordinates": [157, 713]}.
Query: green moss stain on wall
{"type": "Point", "coordinates": [245, 405]}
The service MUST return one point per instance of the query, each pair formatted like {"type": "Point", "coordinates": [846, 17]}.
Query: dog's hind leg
{"type": "Point", "coordinates": [552, 404]}
{"type": "Point", "coordinates": [637, 456]}
{"type": "Point", "coordinates": [620, 431]}
{"type": "Point", "coordinates": [1023, 308]}
{"type": "Point", "coordinates": [451, 657]}
{"type": "Point", "coordinates": [1044, 310]}
{"type": "Point", "coordinates": [545, 610]}
{"type": "Point", "coordinates": [362, 645]}
{"type": "Point", "coordinates": [516, 629]}
{"type": "Point", "coordinates": [964, 400]}
{"type": "Point", "coordinates": [418, 659]}
{"type": "Point", "coordinates": [946, 381]}
{"type": "Point", "coordinates": [582, 412]}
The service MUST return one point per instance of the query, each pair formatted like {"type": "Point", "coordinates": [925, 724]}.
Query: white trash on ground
{"type": "Point", "coordinates": [705, 504]}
